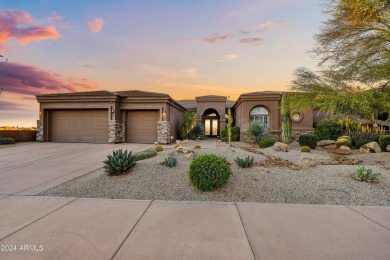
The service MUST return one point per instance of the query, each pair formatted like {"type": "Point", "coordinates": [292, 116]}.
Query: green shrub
{"type": "Point", "coordinates": [359, 139]}
{"type": "Point", "coordinates": [308, 140]}
{"type": "Point", "coordinates": [305, 149]}
{"type": "Point", "coordinates": [158, 148]}
{"type": "Point", "coordinates": [328, 129]}
{"type": "Point", "coordinates": [170, 161]}
{"type": "Point", "coordinates": [235, 134]}
{"type": "Point", "coordinates": [343, 142]}
{"type": "Point", "coordinates": [145, 154]}
{"type": "Point", "coordinates": [186, 125]}
{"type": "Point", "coordinates": [363, 174]}
{"type": "Point", "coordinates": [176, 145]}
{"type": "Point", "coordinates": [197, 146]}
{"type": "Point", "coordinates": [266, 142]}
{"type": "Point", "coordinates": [7, 141]}
{"type": "Point", "coordinates": [119, 162]}
{"type": "Point", "coordinates": [209, 172]}
{"type": "Point", "coordinates": [384, 141]}
{"type": "Point", "coordinates": [196, 132]}
{"type": "Point", "coordinates": [257, 131]}
{"type": "Point", "coordinates": [345, 137]}
{"type": "Point", "coordinates": [245, 162]}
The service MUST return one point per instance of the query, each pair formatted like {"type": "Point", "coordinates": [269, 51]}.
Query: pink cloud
{"type": "Point", "coordinates": [271, 24]}
{"type": "Point", "coordinates": [95, 25]}
{"type": "Point", "coordinates": [251, 41]}
{"type": "Point", "coordinates": [28, 80]}
{"type": "Point", "coordinates": [216, 38]}
{"type": "Point", "coordinates": [20, 26]}
{"type": "Point", "coordinates": [55, 17]}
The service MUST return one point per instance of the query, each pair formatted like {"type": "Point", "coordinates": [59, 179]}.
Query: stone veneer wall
{"type": "Point", "coordinates": [116, 132]}
{"type": "Point", "coordinates": [39, 131]}
{"type": "Point", "coordinates": [163, 132]}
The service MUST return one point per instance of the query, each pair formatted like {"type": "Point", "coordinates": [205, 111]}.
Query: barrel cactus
{"type": "Point", "coordinates": [119, 162]}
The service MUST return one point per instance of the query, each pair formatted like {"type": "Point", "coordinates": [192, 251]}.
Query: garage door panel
{"type": "Point", "coordinates": [141, 126]}
{"type": "Point", "coordinates": [79, 126]}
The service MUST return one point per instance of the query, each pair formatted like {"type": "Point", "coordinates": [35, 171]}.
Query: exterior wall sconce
{"type": "Point", "coordinates": [112, 110]}
{"type": "Point", "coordinates": [164, 116]}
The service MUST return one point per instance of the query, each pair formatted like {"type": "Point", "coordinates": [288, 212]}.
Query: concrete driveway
{"type": "Point", "coordinates": [30, 168]}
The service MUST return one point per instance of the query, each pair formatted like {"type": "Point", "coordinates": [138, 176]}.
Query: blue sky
{"type": "Point", "coordinates": [183, 48]}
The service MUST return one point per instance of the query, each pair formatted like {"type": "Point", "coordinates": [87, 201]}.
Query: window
{"type": "Point", "coordinates": [260, 114]}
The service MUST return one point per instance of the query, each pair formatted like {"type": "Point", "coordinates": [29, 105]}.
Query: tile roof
{"type": "Point", "coordinates": [86, 93]}
{"type": "Point", "coordinates": [140, 93]}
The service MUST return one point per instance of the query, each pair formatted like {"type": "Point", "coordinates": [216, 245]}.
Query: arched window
{"type": "Point", "coordinates": [260, 114]}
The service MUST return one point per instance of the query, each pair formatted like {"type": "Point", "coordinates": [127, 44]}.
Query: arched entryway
{"type": "Point", "coordinates": [211, 122]}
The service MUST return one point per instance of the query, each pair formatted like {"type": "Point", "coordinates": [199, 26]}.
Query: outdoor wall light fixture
{"type": "Point", "coordinates": [112, 110]}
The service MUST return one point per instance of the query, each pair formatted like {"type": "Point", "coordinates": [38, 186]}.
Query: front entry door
{"type": "Point", "coordinates": [211, 127]}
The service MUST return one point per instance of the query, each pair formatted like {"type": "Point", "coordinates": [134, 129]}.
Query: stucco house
{"type": "Point", "coordinates": [146, 117]}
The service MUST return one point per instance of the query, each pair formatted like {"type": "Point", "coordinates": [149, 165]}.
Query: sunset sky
{"type": "Point", "coordinates": [179, 47]}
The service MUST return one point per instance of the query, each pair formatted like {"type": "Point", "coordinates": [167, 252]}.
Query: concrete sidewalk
{"type": "Point", "coordinates": [70, 228]}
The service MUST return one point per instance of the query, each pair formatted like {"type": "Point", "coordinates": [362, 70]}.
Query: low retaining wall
{"type": "Point", "coordinates": [19, 135]}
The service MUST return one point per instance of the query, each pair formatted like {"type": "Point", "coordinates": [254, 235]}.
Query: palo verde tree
{"type": "Point", "coordinates": [286, 121]}
{"type": "Point", "coordinates": [353, 46]}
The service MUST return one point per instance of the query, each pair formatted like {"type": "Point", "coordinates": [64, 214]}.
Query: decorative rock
{"type": "Point", "coordinates": [373, 146]}
{"type": "Point", "coordinates": [388, 148]}
{"type": "Point", "coordinates": [305, 163]}
{"type": "Point", "coordinates": [182, 149]}
{"type": "Point", "coordinates": [326, 142]}
{"type": "Point", "coordinates": [190, 156]}
{"type": "Point", "coordinates": [364, 149]}
{"type": "Point", "coordinates": [178, 142]}
{"type": "Point", "coordinates": [184, 142]}
{"type": "Point", "coordinates": [330, 147]}
{"type": "Point", "coordinates": [344, 150]}
{"type": "Point", "coordinates": [281, 147]}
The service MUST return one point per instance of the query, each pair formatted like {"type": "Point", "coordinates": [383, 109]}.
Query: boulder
{"type": "Point", "coordinates": [305, 163]}
{"type": "Point", "coordinates": [326, 142]}
{"type": "Point", "coordinates": [330, 147]}
{"type": "Point", "coordinates": [190, 156]}
{"type": "Point", "coordinates": [344, 150]}
{"type": "Point", "coordinates": [281, 147]}
{"type": "Point", "coordinates": [178, 142]}
{"type": "Point", "coordinates": [182, 149]}
{"type": "Point", "coordinates": [184, 142]}
{"type": "Point", "coordinates": [373, 147]}
{"type": "Point", "coordinates": [363, 149]}
{"type": "Point", "coordinates": [388, 148]}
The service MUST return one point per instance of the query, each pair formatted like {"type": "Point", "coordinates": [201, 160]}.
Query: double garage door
{"type": "Point", "coordinates": [91, 126]}
{"type": "Point", "coordinates": [79, 126]}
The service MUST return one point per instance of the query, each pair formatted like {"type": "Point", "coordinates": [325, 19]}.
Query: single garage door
{"type": "Point", "coordinates": [79, 126]}
{"type": "Point", "coordinates": [141, 126]}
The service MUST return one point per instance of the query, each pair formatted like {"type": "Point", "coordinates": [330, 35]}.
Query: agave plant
{"type": "Point", "coordinates": [170, 161]}
{"type": "Point", "coordinates": [119, 162]}
{"type": "Point", "coordinates": [244, 162]}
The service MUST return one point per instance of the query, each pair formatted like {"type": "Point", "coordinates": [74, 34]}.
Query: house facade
{"type": "Point", "coordinates": [146, 117]}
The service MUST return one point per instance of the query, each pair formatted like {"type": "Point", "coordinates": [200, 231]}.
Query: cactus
{"type": "Point", "coordinates": [197, 146]}
{"type": "Point", "coordinates": [170, 161]}
{"type": "Point", "coordinates": [305, 149]}
{"type": "Point", "coordinates": [229, 126]}
{"type": "Point", "coordinates": [119, 162]}
{"type": "Point", "coordinates": [286, 122]}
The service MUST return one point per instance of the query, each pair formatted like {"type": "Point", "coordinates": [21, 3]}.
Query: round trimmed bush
{"type": "Point", "coordinates": [345, 137]}
{"type": "Point", "coordinates": [7, 140]}
{"type": "Point", "coordinates": [308, 140]}
{"type": "Point", "coordinates": [266, 142]}
{"type": "Point", "coordinates": [305, 149]}
{"type": "Point", "coordinates": [176, 145]}
{"type": "Point", "coordinates": [197, 146]}
{"type": "Point", "coordinates": [158, 148]}
{"type": "Point", "coordinates": [343, 142]}
{"type": "Point", "coordinates": [209, 172]}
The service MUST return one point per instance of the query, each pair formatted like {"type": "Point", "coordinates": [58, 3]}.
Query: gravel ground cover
{"type": "Point", "coordinates": [322, 184]}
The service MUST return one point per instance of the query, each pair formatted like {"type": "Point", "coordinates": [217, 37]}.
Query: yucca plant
{"type": "Point", "coordinates": [244, 162]}
{"type": "Point", "coordinates": [170, 161]}
{"type": "Point", "coordinates": [119, 162]}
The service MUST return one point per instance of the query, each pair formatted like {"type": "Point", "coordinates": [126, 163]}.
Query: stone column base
{"type": "Point", "coordinates": [116, 132]}
{"type": "Point", "coordinates": [163, 132]}
{"type": "Point", "coordinates": [39, 136]}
